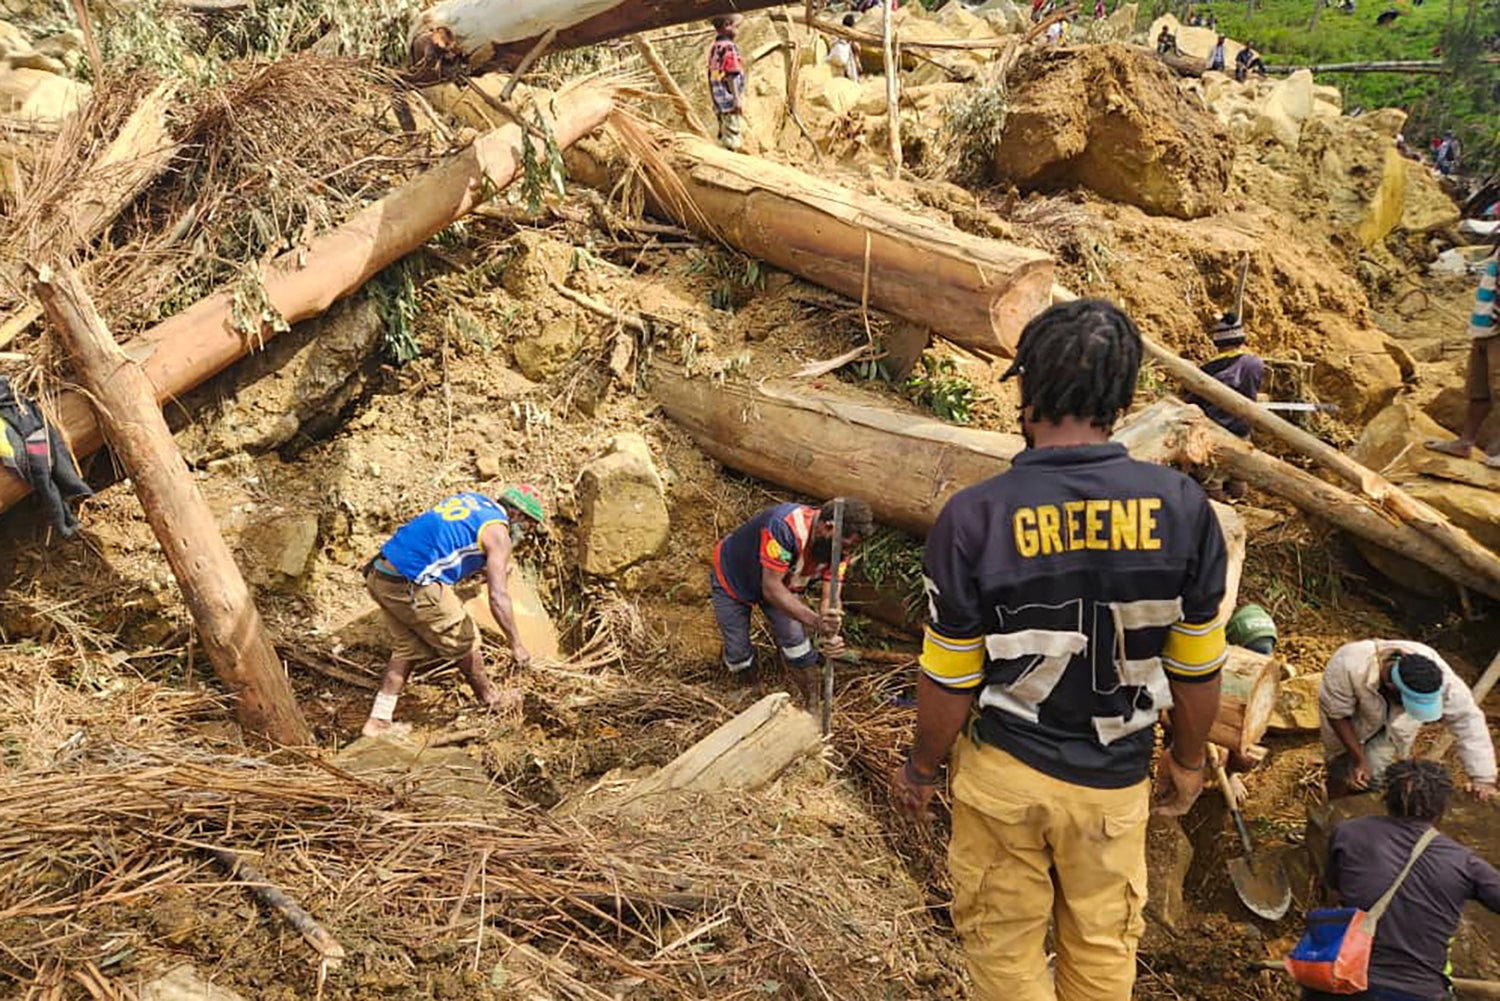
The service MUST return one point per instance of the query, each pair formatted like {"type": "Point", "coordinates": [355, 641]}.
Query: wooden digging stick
{"type": "Point", "coordinates": [833, 603]}
{"type": "Point", "coordinates": [255, 881]}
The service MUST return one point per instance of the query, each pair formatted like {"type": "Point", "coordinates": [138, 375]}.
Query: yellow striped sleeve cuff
{"type": "Point", "coordinates": [953, 663]}
{"type": "Point", "coordinates": [1194, 652]}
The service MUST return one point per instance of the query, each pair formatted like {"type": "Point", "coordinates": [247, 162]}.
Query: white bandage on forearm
{"type": "Point", "coordinates": [384, 708]}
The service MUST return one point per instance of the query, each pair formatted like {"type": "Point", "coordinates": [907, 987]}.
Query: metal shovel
{"type": "Point", "coordinates": [1263, 885]}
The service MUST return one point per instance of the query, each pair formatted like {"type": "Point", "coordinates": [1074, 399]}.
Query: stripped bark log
{"type": "Point", "coordinates": [1247, 699]}
{"type": "Point", "coordinates": [216, 594]}
{"type": "Point", "coordinates": [1383, 494]}
{"type": "Point", "coordinates": [976, 292]}
{"type": "Point", "coordinates": [488, 35]}
{"type": "Point", "coordinates": [744, 754]}
{"type": "Point", "coordinates": [202, 341]}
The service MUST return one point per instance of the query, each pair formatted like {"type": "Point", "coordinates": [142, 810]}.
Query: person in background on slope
{"type": "Point", "coordinates": [726, 82]}
{"type": "Point", "coordinates": [1409, 958]}
{"type": "Point", "coordinates": [412, 580]}
{"type": "Point", "coordinates": [1374, 697]}
{"type": "Point", "coordinates": [1071, 600]}
{"type": "Point", "coordinates": [1483, 381]}
{"type": "Point", "coordinates": [768, 562]}
{"type": "Point", "coordinates": [1216, 56]}
{"type": "Point", "coordinates": [843, 54]}
{"type": "Point", "coordinates": [1247, 61]}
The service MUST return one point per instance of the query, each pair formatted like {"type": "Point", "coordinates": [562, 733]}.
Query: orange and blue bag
{"type": "Point", "coordinates": [1334, 953]}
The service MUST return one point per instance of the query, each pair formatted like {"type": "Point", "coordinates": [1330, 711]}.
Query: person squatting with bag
{"type": "Point", "coordinates": [1402, 887]}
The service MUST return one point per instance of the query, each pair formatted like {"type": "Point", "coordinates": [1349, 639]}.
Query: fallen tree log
{"type": "Point", "coordinates": [1247, 699]}
{"type": "Point", "coordinates": [233, 634]}
{"type": "Point", "coordinates": [974, 291]}
{"type": "Point", "coordinates": [488, 35]}
{"type": "Point", "coordinates": [745, 753]}
{"type": "Point", "coordinates": [820, 445]}
{"type": "Point", "coordinates": [203, 340]}
{"type": "Point", "coordinates": [1477, 561]}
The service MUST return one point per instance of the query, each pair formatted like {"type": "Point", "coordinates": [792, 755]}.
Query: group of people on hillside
{"type": "Point", "coordinates": [1073, 601]}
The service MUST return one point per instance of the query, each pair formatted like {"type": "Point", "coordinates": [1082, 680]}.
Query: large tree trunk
{"type": "Point", "coordinates": [229, 623]}
{"type": "Point", "coordinates": [1384, 495]}
{"type": "Point", "coordinates": [974, 291]}
{"type": "Point", "coordinates": [202, 341]}
{"type": "Point", "coordinates": [489, 35]}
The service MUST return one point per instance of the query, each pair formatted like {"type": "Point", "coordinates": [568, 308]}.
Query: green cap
{"type": "Point", "coordinates": [1249, 624]}
{"type": "Point", "coordinates": [527, 499]}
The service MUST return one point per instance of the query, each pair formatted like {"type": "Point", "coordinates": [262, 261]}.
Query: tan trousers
{"type": "Point", "coordinates": [1028, 848]}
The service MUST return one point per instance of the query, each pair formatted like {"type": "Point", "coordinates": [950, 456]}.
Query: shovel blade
{"type": "Point", "coordinates": [1263, 886]}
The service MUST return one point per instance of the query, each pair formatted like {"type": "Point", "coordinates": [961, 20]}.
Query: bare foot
{"type": "Point", "coordinates": [384, 728]}
{"type": "Point", "coordinates": [1457, 447]}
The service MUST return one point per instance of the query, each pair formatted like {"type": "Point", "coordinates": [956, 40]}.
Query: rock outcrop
{"type": "Point", "coordinates": [622, 505]}
{"type": "Point", "coordinates": [1112, 119]}
{"type": "Point", "coordinates": [1466, 491]}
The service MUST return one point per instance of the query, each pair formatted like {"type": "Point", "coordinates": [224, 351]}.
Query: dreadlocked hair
{"type": "Point", "coordinates": [858, 518]}
{"type": "Point", "coordinates": [1078, 359]}
{"type": "Point", "coordinates": [1417, 790]}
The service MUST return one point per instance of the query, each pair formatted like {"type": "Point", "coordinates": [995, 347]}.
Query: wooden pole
{"type": "Point", "coordinates": [201, 341]}
{"type": "Point", "coordinates": [1386, 496]}
{"type": "Point", "coordinates": [327, 947]}
{"type": "Point", "coordinates": [1352, 513]}
{"type": "Point", "coordinates": [674, 92]}
{"type": "Point", "coordinates": [892, 85]}
{"type": "Point", "coordinates": [228, 621]}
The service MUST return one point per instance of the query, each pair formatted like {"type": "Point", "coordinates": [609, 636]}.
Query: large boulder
{"type": "Point", "coordinates": [1466, 491]}
{"type": "Point", "coordinates": [1286, 107]}
{"type": "Point", "coordinates": [27, 92]}
{"type": "Point", "coordinates": [622, 507]}
{"type": "Point", "coordinates": [279, 548]}
{"type": "Point", "coordinates": [1427, 206]}
{"type": "Point", "coordinates": [298, 384]}
{"type": "Point", "coordinates": [1113, 119]}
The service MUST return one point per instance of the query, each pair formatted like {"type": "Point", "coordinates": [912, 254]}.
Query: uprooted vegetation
{"type": "Point", "coordinates": [492, 858]}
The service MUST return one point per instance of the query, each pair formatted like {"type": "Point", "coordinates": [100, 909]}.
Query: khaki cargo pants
{"type": "Point", "coordinates": [1028, 849]}
{"type": "Point", "coordinates": [426, 623]}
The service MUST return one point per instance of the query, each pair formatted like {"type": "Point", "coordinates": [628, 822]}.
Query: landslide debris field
{"type": "Point", "coordinates": [598, 329]}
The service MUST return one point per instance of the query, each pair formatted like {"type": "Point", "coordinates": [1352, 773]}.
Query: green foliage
{"type": "Point", "coordinates": [543, 170]}
{"type": "Point", "coordinates": [937, 385]}
{"type": "Point", "coordinates": [892, 561]}
{"type": "Point", "coordinates": [972, 125]}
{"type": "Point", "coordinates": [1463, 98]}
{"type": "Point", "coordinates": [395, 293]}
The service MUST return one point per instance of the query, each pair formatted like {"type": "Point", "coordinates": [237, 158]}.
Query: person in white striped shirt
{"type": "Point", "coordinates": [1483, 382]}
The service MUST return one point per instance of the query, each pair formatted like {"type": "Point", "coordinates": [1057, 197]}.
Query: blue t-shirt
{"type": "Point", "coordinates": [442, 546]}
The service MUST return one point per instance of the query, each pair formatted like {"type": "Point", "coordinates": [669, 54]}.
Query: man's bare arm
{"type": "Point", "coordinates": [496, 575]}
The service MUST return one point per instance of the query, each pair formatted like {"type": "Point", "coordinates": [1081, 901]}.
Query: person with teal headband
{"type": "Point", "coordinates": [1374, 697]}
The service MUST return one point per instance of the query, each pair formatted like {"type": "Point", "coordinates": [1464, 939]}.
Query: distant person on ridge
{"type": "Point", "coordinates": [1216, 56]}
{"type": "Point", "coordinates": [1247, 61]}
{"type": "Point", "coordinates": [1483, 381]}
{"type": "Point", "coordinates": [843, 54]}
{"type": "Point", "coordinates": [1166, 42]}
{"type": "Point", "coordinates": [726, 82]}
{"type": "Point", "coordinates": [768, 562]}
{"type": "Point", "coordinates": [412, 581]}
